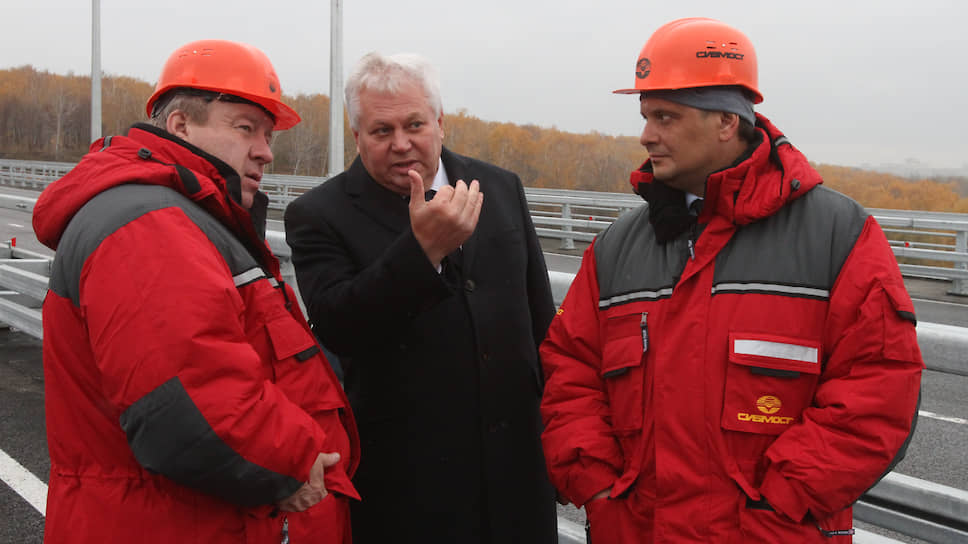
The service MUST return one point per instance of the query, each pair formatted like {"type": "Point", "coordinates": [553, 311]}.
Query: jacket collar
{"type": "Point", "coordinates": [771, 174]}
{"type": "Point", "coordinates": [149, 155]}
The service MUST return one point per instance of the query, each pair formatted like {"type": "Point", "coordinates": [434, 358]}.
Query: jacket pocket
{"type": "Point", "coordinates": [289, 339]}
{"type": "Point", "coordinates": [770, 380]}
{"type": "Point", "coordinates": [763, 524]}
{"type": "Point", "coordinates": [299, 366]}
{"type": "Point", "coordinates": [622, 370]}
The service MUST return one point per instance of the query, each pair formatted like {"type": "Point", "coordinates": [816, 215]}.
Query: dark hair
{"type": "Point", "coordinates": [747, 131]}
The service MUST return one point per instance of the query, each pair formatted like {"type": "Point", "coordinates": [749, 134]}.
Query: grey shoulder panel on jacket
{"type": "Point", "coordinates": [799, 250]}
{"type": "Point", "coordinates": [631, 265]}
{"type": "Point", "coordinates": [114, 208]}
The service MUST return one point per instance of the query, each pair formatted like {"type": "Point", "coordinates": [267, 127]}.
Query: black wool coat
{"type": "Point", "coordinates": [441, 369]}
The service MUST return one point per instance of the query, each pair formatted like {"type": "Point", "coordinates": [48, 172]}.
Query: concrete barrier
{"type": "Point", "coordinates": [945, 346]}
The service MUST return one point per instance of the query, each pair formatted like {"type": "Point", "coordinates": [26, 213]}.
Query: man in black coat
{"type": "Point", "coordinates": [436, 305]}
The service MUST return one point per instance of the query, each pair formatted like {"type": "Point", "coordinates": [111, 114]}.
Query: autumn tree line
{"type": "Point", "coordinates": [46, 117]}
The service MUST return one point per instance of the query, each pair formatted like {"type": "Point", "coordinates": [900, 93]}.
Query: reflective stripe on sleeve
{"type": "Point", "coordinates": [248, 276]}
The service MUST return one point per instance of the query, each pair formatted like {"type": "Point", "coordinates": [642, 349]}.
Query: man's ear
{"type": "Point", "coordinates": [177, 124]}
{"type": "Point", "coordinates": [728, 126]}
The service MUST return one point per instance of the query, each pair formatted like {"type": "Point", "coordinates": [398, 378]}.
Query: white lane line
{"type": "Point", "coordinates": [15, 225]}
{"type": "Point", "coordinates": [933, 415]}
{"type": "Point", "coordinates": [945, 302]}
{"type": "Point", "coordinates": [23, 482]}
{"type": "Point", "coordinates": [863, 537]}
{"type": "Point", "coordinates": [34, 491]}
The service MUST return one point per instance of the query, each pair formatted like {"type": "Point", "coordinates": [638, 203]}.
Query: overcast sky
{"type": "Point", "coordinates": [849, 81]}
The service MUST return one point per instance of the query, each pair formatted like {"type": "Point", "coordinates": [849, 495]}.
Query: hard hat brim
{"type": "Point", "coordinates": [285, 117]}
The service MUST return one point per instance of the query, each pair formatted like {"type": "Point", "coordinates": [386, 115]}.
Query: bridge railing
{"type": "Point", "coordinates": [927, 244]}
{"type": "Point", "coordinates": [31, 174]}
{"type": "Point", "coordinates": [911, 506]}
{"type": "Point", "coordinates": [23, 285]}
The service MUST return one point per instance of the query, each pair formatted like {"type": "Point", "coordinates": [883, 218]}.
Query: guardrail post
{"type": "Point", "coordinates": [567, 242]}
{"type": "Point", "coordinates": [960, 286]}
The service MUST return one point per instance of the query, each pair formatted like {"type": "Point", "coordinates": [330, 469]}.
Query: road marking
{"type": "Point", "coordinates": [933, 415]}
{"type": "Point", "coordinates": [34, 491]}
{"type": "Point", "coordinates": [21, 480]}
{"type": "Point", "coordinates": [15, 225]}
{"type": "Point", "coordinates": [938, 302]}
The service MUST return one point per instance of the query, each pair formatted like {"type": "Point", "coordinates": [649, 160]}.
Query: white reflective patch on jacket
{"type": "Point", "coordinates": [777, 350]}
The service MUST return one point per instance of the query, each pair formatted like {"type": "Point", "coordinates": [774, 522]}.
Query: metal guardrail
{"type": "Point", "coordinates": [918, 508]}
{"type": "Point", "coordinates": [19, 203]}
{"type": "Point", "coordinates": [924, 510]}
{"type": "Point", "coordinates": [572, 216]}
{"type": "Point", "coordinates": [31, 174]}
{"type": "Point", "coordinates": [24, 274]}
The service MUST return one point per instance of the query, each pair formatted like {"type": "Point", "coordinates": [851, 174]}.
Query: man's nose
{"type": "Point", "coordinates": [262, 152]}
{"type": "Point", "coordinates": [648, 135]}
{"type": "Point", "coordinates": [400, 141]}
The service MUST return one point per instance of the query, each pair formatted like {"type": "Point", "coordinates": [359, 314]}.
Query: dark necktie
{"type": "Point", "coordinates": [429, 195]}
{"type": "Point", "coordinates": [696, 207]}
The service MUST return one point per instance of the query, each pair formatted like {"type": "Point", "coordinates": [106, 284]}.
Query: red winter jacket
{"type": "Point", "coordinates": [744, 382]}
{"type": "Point", "coordinates": [185, 393]}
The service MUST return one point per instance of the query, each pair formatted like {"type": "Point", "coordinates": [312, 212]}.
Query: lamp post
{"type": "Point", "coordinates": [335, 88]}
{"type": "Point", "coordinates": [95, 69]}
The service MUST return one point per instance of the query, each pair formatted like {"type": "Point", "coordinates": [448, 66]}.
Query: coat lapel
{"type": "Point", "coordinates": [391, 210]}
{"type": "Point", "coordinates": [379, 203]}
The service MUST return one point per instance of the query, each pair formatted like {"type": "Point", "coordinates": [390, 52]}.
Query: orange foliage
{"type": "Point", "coordinates": [46, 116]}
{"type": "Point", "coordinates": [547, 157]}
{"type": "Point", "coordinates": [879, 190]}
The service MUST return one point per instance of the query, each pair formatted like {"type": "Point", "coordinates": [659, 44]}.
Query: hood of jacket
{"type": "Point", "coordinates": [149, 155]}
{"type": "Point", "coordinates": [769, 175]}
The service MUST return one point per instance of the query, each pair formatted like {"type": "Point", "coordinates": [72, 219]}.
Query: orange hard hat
{"type": "Point", "coordinates": [696, 52]}
{"type": "Point", "coordinates": [226, 67]}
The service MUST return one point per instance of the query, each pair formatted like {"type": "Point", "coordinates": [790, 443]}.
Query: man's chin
{"type": "Point", "coordinates": [397, 184]}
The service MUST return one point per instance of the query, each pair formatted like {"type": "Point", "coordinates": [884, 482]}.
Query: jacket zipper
{"type": "Point", "coordinates": [693, 236]}
{"type": "Point", "coordinates": [644, 326]}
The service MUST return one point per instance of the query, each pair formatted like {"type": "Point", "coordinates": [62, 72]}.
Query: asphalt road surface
{"type": "Point", "coordinates": [936, 454]}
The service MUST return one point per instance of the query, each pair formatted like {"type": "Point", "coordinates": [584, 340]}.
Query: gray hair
{"type": "Point", "coordinates": [195, 103]}
{"type": "Point", "coordinates": [388, 74]}
{"type": "Point", "coordinates": [195, 107]}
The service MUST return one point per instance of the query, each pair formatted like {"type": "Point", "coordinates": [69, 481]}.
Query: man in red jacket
{"type": "Point", "coordinates": [186, 397]}
{"type": "Point", "coordinates": [736, 361]}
